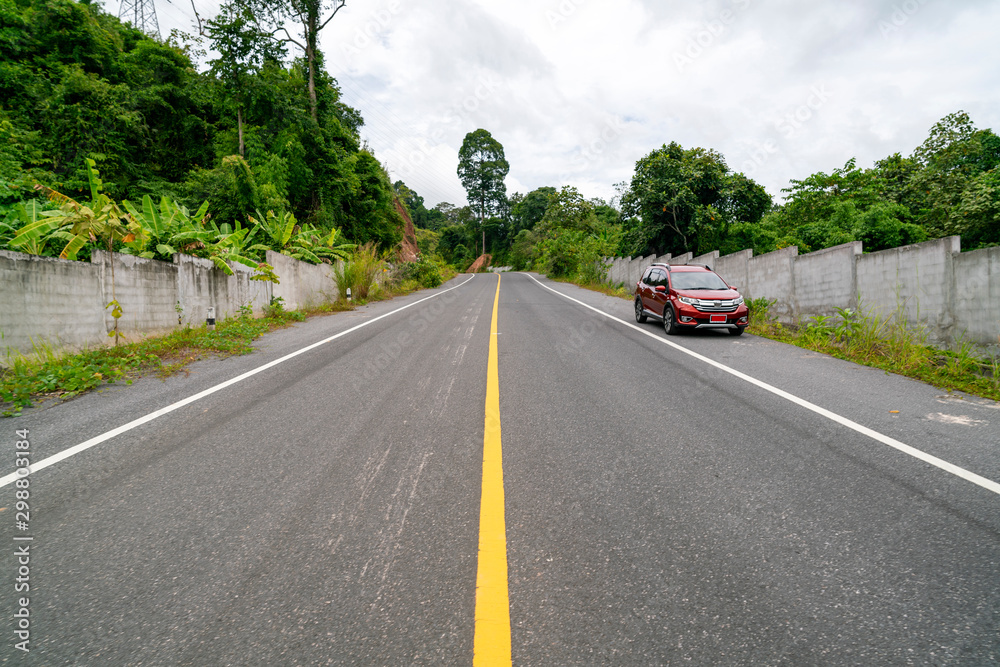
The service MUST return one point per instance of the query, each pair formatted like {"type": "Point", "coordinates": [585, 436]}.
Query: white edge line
{"type": "Point", "coordinates": [987, 484]}
{"type": "Point", "coordinates": [76, 449]}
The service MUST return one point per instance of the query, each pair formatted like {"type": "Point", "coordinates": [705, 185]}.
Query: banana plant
{"type": "Point", "coordinates": [37, 227]}
{"type": "Point", "coordinates": [236, 245]}
{"type": "Point", "coordinates": [100, 220]}
{"type": "Point", "coordinates": [279, 227]}
{"type": "Point", "coordinates": [313, 245]}
{"type": "Point", "coordinates": [163, 226]}
{"type": "Point", "coordinates": [302, 242]}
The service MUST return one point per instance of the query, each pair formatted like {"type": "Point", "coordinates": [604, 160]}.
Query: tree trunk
{"type": "Point", "coordinates": [312, 18]}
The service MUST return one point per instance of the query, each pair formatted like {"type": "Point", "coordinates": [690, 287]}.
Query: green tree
{"type": "Point", "coordinates": [883, 226]}
{"type": "Point", "coordinates": [243, 49]}
{"type": "Point", "coordinates": [414, 204]}
{"type": "Point", "coordinates": [443, 215]}
{"type": "Point", "coordinates": [527, 210]}
{"type": "Point", "coordinates": [568, 209]}
{"type": "Point", "coordinates": [951, 159]}
{"type": "Point", "coordinates": [570, 240]}
{"type": "Point", "coordinates": [311, 16]}
{"type": "Point", "coordinates": [453, 245]}
{"type": "Point", "coordinates": [977, 215]}
{"type": "Point", "coordinates": [482, 169]}
{"type": "Point", "coordinates": [814, 199]}
{"type": "Point", "coordinates": [368, 213]}
{"type": "Point", "coordinates": [683, 200]}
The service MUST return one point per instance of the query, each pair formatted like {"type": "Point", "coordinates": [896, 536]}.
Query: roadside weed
{"type": "Point", "coordinates": [887, 342]}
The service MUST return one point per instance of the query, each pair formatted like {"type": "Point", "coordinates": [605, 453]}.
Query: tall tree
{"type": "Point", "coordinates": [312, 16]}
{"type": "Point", "coordinates": [243, 49]}
{"type": "Point", "coordinates": [682, 200]}
{"type": "Point", "coordinates": [482, 168]}
{"type": "Point", "coordinates": [951, 161]}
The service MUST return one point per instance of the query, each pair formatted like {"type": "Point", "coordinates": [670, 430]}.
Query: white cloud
{"type": "Point", "coordinates": [578, 90]}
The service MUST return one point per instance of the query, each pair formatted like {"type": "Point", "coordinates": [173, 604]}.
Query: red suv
{"type": "Point", "coordinates": [689, 296]}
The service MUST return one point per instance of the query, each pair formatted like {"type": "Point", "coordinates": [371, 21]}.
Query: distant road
{"type": "Point", "coordinates": [658, 509]}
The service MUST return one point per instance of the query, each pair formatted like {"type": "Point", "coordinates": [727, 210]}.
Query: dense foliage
{"type": "Point", "coordinates": [251, 135]}
{"type": "Point", "coordinates": [685, 200]}
{"type": "Point", "coordinates": [949, 185]}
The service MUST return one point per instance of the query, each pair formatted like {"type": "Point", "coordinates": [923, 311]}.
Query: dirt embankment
{"type": "Point", "coordinates": [480, 264]}
{"type": "Point", "coordinates": [408, 251]}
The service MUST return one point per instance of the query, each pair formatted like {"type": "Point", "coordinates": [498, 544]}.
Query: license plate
{"type": "Point", "coordinates": [718, 319]}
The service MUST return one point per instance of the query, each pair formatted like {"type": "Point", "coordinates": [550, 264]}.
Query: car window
{"type": "Point", "coordinates": [657, 277]}
{"type": "Point", "coordinates": [697, 280]}
{"type": "Point", "coordinates": [646, 276]}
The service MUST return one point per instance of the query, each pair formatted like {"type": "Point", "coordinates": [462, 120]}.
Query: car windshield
{"type": "Point", "coordinates": [697, 280]}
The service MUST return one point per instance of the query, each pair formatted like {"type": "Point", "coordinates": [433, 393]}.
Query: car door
{"type": "Point", "coordinates": [657, 291]}
{"type": "Point", "coordinates": [642, 288]}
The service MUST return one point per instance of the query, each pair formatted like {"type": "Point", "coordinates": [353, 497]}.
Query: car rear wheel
{"type": "Point", "coordinates": [640, 316]}
{"type": "Point", "coordinates": [669, 323]}
{"type": "Point", "coordinates": [738, 331]}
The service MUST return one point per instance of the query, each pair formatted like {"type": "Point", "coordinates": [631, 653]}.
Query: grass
{"type": "Point", "coordinates": [360, 273]}
{"type": "Point", "coordinates": [885, 342]}
{"type": "Point", "coordinates": [48, 373]}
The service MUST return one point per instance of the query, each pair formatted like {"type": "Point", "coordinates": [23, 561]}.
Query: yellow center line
{"type": "Point", "coordinates": [492, 641]}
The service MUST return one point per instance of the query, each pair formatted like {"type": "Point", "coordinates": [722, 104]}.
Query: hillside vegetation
{"type": "Point", "coordinates": [85, 96]}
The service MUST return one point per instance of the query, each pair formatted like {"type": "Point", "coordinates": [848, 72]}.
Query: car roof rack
{"type": "Point", "coordinates": [669, 266]}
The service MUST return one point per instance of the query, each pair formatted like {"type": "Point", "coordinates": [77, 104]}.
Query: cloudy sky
{"type": "Point", "coordinates": [578, 90]}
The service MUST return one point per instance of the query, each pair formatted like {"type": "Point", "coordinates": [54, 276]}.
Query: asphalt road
{"type": "Point", "coordinates": [659, 510]}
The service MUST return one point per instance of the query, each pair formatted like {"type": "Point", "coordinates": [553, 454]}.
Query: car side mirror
{"type": "Point", "coordinates": [733, 287]}
{"type": "Point", "coordinates": [661, 288]}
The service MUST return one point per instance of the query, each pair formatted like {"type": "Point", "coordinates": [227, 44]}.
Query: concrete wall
{"type": "Point", "coordinates": [826, 280]}
{"type": "Point", "coordinates": [733, 268]}
{"type": "Point", "coordinates": [302, 285]}
{"type": "Point", "coordinates": [63, 302]}
{"type": "Point", "coordinates": [636, 267]}
{"type": "Point", "coordinates": [949, 295]}
{"type": "Point", "coordinates": [708, 260]}
{"type": "Point", "coordinates": [200, 285]}
{"type": "Point", "coordinates": [918, 279]}
{"type": "Point", "coordinates": [621, 270]}
{"type": "Point", "coordinates": [977, 295]}
{"type": "Point", "coordinates": [627, 271]}
{"type": "Point", "coordinates": [44, 299]}
{"type": "Point", "coordinates": [770, 276]}
{"type": "Point", "coordinates": [145, 288]}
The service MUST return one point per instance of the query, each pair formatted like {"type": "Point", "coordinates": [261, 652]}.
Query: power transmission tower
{"type": "Point", "coordinates": [141, 14]}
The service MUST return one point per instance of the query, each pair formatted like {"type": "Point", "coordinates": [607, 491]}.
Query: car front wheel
{"type": "Point", "coordinates": [669, 323]}
{"type": "Point", "coordinates": [640, 316]}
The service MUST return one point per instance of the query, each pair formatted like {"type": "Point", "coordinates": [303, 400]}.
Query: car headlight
{"type": "Point", "coordinates": [688, 300]}
{"type": "Point", "coordinates": [738, 301]}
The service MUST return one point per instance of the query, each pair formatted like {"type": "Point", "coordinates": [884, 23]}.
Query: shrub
{"type": "Point", "coordinates": [425, 272]}
{"type": "Point", "coordinates": [359, 272]}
